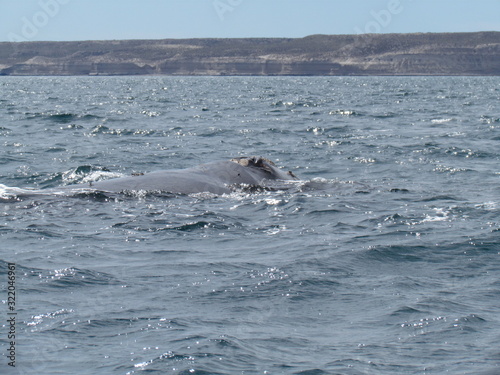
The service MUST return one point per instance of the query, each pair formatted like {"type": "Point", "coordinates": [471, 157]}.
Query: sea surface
{"type": "Point", "coordinates": [383, 259]}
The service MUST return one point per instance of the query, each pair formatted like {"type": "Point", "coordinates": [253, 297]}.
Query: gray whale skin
{"type": "Point", "coordinates": [220, 177]}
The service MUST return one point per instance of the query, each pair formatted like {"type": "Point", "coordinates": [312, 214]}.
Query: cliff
{"type": "Point", "coordinates": [373, 54]}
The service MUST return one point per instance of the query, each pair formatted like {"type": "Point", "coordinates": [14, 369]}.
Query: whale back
{"type": "Point", "coordinates": [219, 177]}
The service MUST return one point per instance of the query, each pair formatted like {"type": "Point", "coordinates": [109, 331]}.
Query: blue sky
{"type": "Point", "coordinates": [33, 20]}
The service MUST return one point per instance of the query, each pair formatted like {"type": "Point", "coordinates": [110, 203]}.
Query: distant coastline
{"type": "Point", "coordinates": [316, 55]}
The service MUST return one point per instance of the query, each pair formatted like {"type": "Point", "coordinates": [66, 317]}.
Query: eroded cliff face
{"type": "Point", "coordinates": [376, 54]}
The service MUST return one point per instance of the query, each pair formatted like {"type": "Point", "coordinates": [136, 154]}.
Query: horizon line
{"type": "Point", "coordinates": [248, 38]}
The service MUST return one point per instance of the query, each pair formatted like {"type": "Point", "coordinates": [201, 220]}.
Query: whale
{"type": "Point", "coordinates": [219, 177]}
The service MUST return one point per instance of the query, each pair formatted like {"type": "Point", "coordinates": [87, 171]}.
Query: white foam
{"type": "Point", "coordinates": [441, 120]}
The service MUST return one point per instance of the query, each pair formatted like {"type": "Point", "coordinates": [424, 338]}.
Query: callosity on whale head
{"type": "Point", "coordinates": [266, 165]}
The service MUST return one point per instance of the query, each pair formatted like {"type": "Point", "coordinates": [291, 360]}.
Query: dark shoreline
{"type": "Point", "coordinates": [430, 54]}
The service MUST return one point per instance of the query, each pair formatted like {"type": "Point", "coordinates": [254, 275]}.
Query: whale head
{"type": "Point", "coordinates": [266, 167]}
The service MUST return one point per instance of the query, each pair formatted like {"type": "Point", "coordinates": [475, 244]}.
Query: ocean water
{"type": "Point", "coordinates": [383, 259]}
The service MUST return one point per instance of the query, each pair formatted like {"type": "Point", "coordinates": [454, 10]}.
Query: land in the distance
{"type": "Point", "coordinates": [371, 54]}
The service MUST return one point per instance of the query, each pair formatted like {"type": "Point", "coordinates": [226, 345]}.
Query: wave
{"type": "Point", "coordinates": [489, 120]}
{"type": "Point", "coordinates": [61, 118]}
{"type": "Point", "coordinates": [333, 186]}
{"type": "Point", "coordinates": [104, 130]}
{"type": "Point", "coordinates": [87, 174]}
{"type": "Point", "coordinates": [70, 277]}
{"type": "Point", "coordinates": [291, 104]}
{"type": "Point", "coordinates": [441, 120]}
{"type": "Point", "coordinates": [84, 175]}
{"type": "Point", "coordinates": [12, 194]}
{"type": "Point", "coordinates": [345, 112]}
{"type": "Point", "coordinates": [15, 194]}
